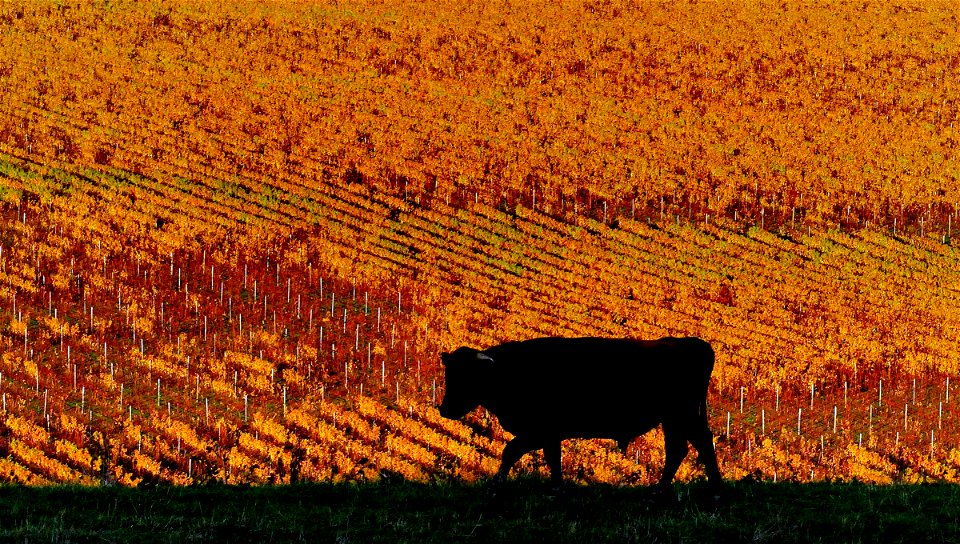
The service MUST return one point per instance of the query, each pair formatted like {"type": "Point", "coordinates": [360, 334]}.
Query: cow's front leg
{"type": "Point", "coordinates": [512, 453]}
{"type": "Point", "coordinates": [551, 452]}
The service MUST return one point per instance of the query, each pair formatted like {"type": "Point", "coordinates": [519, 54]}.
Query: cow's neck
{"type": "Point", "coordinates": [492, 397]}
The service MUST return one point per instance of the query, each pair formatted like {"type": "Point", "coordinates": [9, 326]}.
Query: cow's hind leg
{"type": "Point", "coordinates": [675, 444]}
{"type": "Point", "coordinates": [702, 440]}
{"type": "Point", "coordinates": [512, 453]}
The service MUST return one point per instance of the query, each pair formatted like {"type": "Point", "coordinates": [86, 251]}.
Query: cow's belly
{"type": "Point", "coordinates": [589, 424]}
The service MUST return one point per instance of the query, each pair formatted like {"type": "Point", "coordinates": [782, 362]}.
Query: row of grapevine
{"type": "Point", "coordinates": [150, 370]}
{"type": "Point", "coordinates": [639, 114]}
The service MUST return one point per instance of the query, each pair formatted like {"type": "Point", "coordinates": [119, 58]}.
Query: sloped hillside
{"type": "Point", "coordinates": [245, 272]}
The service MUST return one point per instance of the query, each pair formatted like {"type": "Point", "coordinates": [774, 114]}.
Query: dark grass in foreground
{"type": "Point", "coordinates": [524, 510]}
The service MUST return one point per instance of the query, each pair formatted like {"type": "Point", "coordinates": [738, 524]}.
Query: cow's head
{"type": "Point", "coordinates": [468, 373]}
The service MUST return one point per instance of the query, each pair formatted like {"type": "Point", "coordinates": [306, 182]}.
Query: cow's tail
{"type": "Point", "coordinates": [705, 357]}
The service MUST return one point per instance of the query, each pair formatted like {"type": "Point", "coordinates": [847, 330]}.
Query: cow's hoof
{"type": "Point", "coordinates": [493, 486]}
{"type": "Point", "coordinates": [665, 496]}
{"type": "Point", "coordinates": [717, 493]}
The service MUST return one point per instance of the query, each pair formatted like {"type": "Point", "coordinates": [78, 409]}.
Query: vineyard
{"type": "Point", "coordinates": [241, 267]}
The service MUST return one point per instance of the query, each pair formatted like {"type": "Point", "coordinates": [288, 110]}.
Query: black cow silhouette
{"type": "Point", "coordinates": [550, 389]}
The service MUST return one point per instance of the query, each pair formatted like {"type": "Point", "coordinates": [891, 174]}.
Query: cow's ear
{"type": "Point", "coordinates": [445, 358]}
